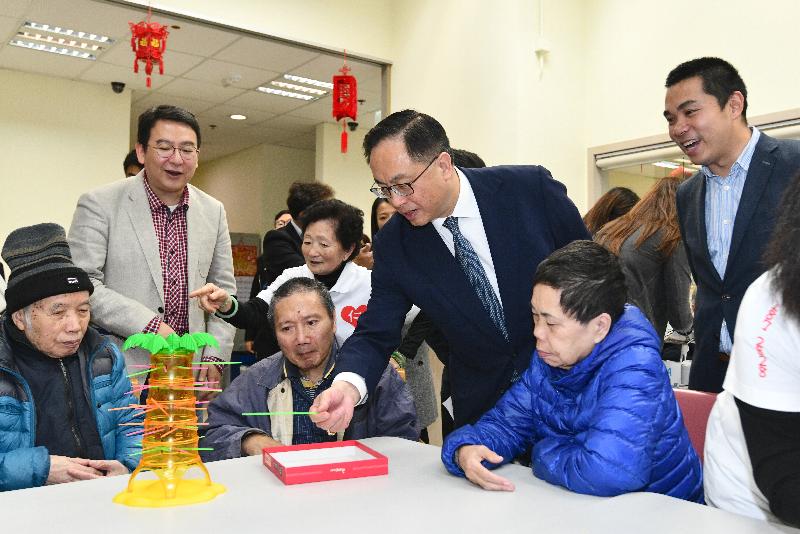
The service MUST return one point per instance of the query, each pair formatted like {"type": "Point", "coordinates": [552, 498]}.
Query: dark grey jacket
{"type": "Point", "coordinates": [389, 410]}
{"type": "Point", "coordinates": [658, 285]}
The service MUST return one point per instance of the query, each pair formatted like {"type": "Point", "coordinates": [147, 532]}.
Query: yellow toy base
{"type": "Point", "coordinates": [150, 493]}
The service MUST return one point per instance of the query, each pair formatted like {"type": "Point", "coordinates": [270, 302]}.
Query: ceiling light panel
{"type": "Point", "coordinates": [53, 49]}
{"type": "Point", "coordinates": [281, 92]}
{"type": "Point", "coordinates": [308, 81]}
{"type": "Point", "coordinates": [60, 40]}
{"type": "Point", "coordinates": [298, 88]}
{"type": "Point", "coordinates": [86, 36]}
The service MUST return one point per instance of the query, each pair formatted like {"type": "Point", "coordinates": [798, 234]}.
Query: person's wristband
{"type": "Point", "coordinates": [399, 359]}
{"type": "Point", "coordinates": [231, 312]}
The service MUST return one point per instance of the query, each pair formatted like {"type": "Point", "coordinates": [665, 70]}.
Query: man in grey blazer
{"type": "Point", "coordinates": [147, 240]}
{"type": "Point", "coordinates": [726, 212]}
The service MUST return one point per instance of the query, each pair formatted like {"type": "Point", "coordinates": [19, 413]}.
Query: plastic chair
{"type": "Point", "coordinates": [695, 407]}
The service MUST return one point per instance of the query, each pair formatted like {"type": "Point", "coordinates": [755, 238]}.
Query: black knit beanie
{"type": "Point", "coordinates": [41, 266]}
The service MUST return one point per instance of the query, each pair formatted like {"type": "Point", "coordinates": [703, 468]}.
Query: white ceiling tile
{"type": "Point", "coordinates": [89, 16]}
{"type": "Point", "coordinates": [291, 123]}
{"type": "Point", "coordinates": [157, 98]}
{"type": "Point", "coordinates": [194, 38]}
{"type": "Point", "coordinates": [107, 73]}
{"type": "Point", "coordinates": [8, 28]}
{"type": "Point", "coordinates": [215, 71]}
{"type": "Point", "coordinates": [263, 54]}
{"type": "Point", "coordinates": [320, 111]}
{"type": "Point", "coordinates": [203, 91]}
{"type": "Point", "coordinates": [175, 63]}
{"type": "Point", "coordinates": [15, 58]}
{"type": "Point", "coordinates": [223, 112]}
{"type": "Point", "coordinates": [266, 102]}
{"type": "Point", "coordinates": [15, 8]}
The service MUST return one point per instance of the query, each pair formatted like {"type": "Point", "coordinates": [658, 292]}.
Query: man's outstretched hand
{"type": "Point", "coordinates": [335, 406]}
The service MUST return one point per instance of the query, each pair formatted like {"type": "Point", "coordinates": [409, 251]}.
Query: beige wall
{"type": "Point", "coordinates": [59, 139]}
{"type": "Point", "coordinates": [632, 46]}
{"type": "Point", "coordinates": [347, 173]}
{"type": "Point", "coordinates": [252, 184]}
{"type": "Point", "coordinates": [471, 64]}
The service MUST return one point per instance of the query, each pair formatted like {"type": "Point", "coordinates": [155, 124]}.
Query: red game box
{"type": "Point", "coordinates": [315, 462]}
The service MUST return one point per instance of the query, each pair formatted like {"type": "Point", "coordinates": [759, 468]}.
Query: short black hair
{"type": "Point", "coordinates": [466, 159]}
{"type": "Point", "coordinates": [300, 285]}
{"type": "Point", "coordinates": [720, 78]}
{"type": "Point", "coordinates": [149, 118]}
{"type": "Point", "coordinates": [348, 222]}
{"type": "Point", "coordinates": [281, 214]}
{"type": "Point", "coordinates": [131, 159]}
{"type": "Point", "coordinates": [590, 279]}
{"type": "Point", "coordinates": [423, 136]}
{"type": "Point", "coordinates": [303, 194]}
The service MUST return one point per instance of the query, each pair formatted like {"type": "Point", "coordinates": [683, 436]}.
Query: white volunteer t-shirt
{"type": "Point", "coordinates": [764, 372]}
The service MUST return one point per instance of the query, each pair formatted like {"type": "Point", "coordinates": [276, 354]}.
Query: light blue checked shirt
{"type": "Point", "coordinates": [722, 202]}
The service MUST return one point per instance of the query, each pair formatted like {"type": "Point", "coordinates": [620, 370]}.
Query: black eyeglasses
{"type": "Point", "coordinates": [165, 151]}
{"type": "Point", "coordinates": [400, 190]}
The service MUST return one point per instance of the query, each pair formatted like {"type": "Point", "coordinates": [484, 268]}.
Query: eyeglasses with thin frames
{"type": "Point", "coordinates": [400, 190]}
{"type": "Point", "coordinates": [165, 151]}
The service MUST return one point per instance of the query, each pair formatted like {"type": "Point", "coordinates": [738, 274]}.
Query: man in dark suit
{"type": "Point", "coordinates": [463, 247]}
{"type": "Point", "coordinates": [282, 249]}
{"type": "Point", "coordinates": [727, 211]}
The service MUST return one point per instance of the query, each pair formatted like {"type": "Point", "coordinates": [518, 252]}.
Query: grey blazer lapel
{"type": "Point", "coordinates": [195, 229]}
{"type": "Point", "coordinates": [142, 221]}
{"type": "Point", "coordinates": [758, 176]}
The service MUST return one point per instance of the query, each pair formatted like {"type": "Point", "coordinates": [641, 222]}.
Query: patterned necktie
{"type": "Point", "coordinates": [471, 264]}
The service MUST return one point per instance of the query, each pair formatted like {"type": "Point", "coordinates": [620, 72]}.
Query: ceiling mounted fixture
{"type": "Point", "coordinates": [68, 32]}
{"type": "Point", "coordinates": [308, 81]}
{"type": "Point", "coordinates": [238, 117]}
{"type": "Point", "coordinates": [42, 47]}
{"type": "Point", "coordinates": [281, 92]}
{"type": "Point", "coordinates": [300, 88]}
{"type": "Point", "coordinates": [58, 40]}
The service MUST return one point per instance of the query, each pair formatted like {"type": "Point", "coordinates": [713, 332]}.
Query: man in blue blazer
{"type": "Point", "coordinates": [727, 210]}
{"type": "Point", "coordinates": [511, 217]}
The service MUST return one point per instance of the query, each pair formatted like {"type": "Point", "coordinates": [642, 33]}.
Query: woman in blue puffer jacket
{"type": "Point", "coordinates": [595, 407]}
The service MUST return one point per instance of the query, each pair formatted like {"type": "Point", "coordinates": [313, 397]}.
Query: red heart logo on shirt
{"type": "Point", "coordinates": [351, 314]}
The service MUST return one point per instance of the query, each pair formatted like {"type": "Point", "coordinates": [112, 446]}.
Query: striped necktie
{"type": "Point", "coordinates": [471, 264]}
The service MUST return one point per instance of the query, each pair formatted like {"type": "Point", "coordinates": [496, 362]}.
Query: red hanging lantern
{"type": "Point", "coordinates": [345, 99]}
{"type": "Point", "coordinates": [148, 41]}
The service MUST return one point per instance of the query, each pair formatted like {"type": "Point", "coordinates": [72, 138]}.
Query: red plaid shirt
{"type": "Point", "coordinates": [170, 226]}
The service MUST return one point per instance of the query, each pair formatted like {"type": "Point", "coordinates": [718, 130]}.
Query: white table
{"type": "Point", "coordinates": [418, 496]}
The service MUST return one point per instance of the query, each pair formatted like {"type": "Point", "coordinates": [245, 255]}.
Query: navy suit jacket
{"type": "Point", "coordinates": [526, 215]}
{"type": "Point", "coordinates": [773, 165]}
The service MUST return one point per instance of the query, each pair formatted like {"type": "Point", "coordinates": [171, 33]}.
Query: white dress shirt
{"type": "Point", "coordinates": [471, 226]}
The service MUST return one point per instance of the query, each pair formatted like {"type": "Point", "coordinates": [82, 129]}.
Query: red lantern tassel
{"type": "Point", "coordinates": [344, 141]}
{"type": "Point", "coordinates": [148, 82]}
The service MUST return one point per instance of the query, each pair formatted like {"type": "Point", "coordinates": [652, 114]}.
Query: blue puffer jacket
{"type": "Point", "coordinates": [608, 426]}
{"type": "Point", "coordinates": [22, 464]}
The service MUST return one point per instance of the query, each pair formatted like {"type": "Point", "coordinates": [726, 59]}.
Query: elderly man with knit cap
{"type": "Point", "coordinates": [59, 378]}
